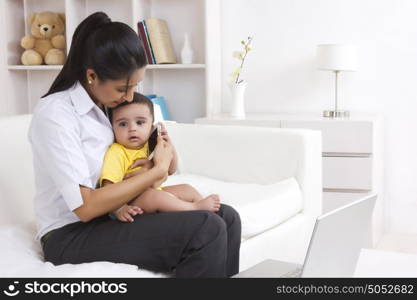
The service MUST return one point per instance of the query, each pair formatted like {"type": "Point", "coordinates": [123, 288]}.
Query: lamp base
{"type": "Point", "coordinates": [336, 114]}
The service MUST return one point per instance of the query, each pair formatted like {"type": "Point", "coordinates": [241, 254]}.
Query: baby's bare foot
{"type": "Point", "coordinates": [211, 203]}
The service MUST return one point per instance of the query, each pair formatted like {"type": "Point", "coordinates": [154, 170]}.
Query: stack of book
{"type": "Point", "coordinates": [157, 41]}
{"type": "Point", "coordinates": [160, 108]}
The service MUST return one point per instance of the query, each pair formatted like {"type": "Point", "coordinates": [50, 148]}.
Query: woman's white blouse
{"type": "Point", "coordinates": [69, 134]}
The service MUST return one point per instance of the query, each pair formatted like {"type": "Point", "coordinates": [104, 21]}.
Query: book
{"type": "Point", "coordinates": [149, 41]}
{"type": "Point", "coordinates": [162, 104]}
{"type": "Point", "coordinates": [160, 108]}
{"type": "Point", "coordinates": [145, 42]}
{"type": "Point", "coordinates": [160, 40]}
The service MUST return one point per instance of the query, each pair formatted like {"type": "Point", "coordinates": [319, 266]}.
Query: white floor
{"type": "Point", "coordinates": [394, 256]}
{"type": "Point", "coordinates": [405, 243]}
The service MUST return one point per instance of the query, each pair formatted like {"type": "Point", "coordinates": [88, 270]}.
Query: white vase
{"type": "Point", "coordinates": [186, 51]}
{"type": "Point", "coordinates": [238, 100]}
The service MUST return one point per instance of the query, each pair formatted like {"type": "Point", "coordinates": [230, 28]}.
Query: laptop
{"type": "Point", "coordinates": [334, 248]}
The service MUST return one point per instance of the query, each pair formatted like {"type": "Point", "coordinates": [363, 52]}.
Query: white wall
{"type": "Point", "coordinates": [281, 73]}
{"type": "Point", "coordinates": [3, 103]}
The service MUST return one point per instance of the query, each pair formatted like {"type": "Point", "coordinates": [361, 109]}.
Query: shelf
{"type": "Point", "coordinates": [149, 67]}
{"type": "Point", "coordinates": [176, 66]}
{"type": "Point", "coordinates": [34, 68]}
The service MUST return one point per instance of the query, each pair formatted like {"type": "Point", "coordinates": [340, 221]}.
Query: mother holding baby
{"type": "Point", "coordinates": [70, 134]}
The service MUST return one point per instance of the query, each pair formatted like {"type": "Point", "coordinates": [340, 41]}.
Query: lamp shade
{"type": "Point", "coordinates": [337, 57]}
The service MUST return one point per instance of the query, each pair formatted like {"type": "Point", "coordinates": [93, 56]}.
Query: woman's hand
{"type": "Point", "coordinates": [164, 133]}
{"type": "Point", "coordinates": [158, 183]}
{"type": "Point", "coordinates": [144, 163]}
{"type": "Point", "coordinates": [163, 154]}
{"type": "Point", "coordinates": [127, 212]}
{"type": "Point", "coordinates": [174, 162]}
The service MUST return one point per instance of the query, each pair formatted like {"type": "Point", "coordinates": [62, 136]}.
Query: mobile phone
{"type": "Point", "coordinates": [152, 141]}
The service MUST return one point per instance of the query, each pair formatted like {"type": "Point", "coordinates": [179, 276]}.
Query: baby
{"type": "Point", "coordinates": [132, 125]}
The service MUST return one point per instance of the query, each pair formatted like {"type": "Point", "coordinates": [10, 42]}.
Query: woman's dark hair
{"type": "Point", "coordinates": [137, 99]}
{"type": "Point", "coordinates": [112, 49]}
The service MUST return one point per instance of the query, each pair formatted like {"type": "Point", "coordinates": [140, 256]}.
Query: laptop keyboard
{"type": "Point", "coordinates": [294, 273]}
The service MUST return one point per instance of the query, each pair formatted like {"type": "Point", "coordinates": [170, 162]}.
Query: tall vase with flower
{"type": "Point", "coordinates": [237, 84]}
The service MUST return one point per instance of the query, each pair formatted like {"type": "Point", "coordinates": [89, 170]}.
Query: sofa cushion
{"type": "Point", "coordinates": [21, 255]}
{"type": "Point", "coordinates": [261, 207]}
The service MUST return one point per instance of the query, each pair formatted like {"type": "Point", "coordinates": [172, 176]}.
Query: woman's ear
{"type": "Point", "coordinates": [91, 76]}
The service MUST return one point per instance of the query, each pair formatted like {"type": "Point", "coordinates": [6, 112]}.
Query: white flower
{"type": "Point", "coordinates": [238, 54]}
{"type": "Point", "coordinates": [236, 74]}
{"type": "Point", "coordinates": [241, 55]}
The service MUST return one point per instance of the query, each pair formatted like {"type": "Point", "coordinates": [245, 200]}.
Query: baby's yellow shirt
{"type": "Point", "coordinates": [118, 159]}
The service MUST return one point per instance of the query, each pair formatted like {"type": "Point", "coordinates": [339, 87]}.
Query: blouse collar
{"type": "Point", "coordinates": [80, 99]}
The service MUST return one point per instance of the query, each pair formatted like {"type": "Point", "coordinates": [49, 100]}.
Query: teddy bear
{"type": "Point", "coordinates": [46, 44]}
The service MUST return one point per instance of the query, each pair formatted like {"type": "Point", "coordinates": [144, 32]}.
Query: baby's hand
{"type": "Point", "coordinates": [126, 212]}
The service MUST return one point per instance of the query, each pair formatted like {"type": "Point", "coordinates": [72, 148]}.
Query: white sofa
{"type": "Point", "coordinates": [271, 176]}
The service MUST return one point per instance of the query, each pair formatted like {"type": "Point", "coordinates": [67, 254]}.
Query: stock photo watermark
{"type": "Point", "coordinates": [72, 289]}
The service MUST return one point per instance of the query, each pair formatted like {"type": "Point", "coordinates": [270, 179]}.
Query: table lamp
{"type": "Point", "coordinates": [336, 58]}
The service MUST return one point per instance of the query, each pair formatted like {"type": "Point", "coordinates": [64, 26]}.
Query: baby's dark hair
{"type": "Point", "coordinates": [137, 99]}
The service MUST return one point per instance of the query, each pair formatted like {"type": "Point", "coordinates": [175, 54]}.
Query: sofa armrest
{"type": "Point", "coordinates": [246, 154]}
{"type": "Point", "coordinates": [17, 184]}
{"type": "Point", "coordinates": [309, 173]}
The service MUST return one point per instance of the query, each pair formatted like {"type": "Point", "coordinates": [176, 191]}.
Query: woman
{"type": "Point", "coordinates": [70, 133]}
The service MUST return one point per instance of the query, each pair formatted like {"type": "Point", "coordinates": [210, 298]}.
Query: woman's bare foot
{"type": "Point", "coordinates": [211, 203]}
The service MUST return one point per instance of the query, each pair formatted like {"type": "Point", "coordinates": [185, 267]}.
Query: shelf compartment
{"type": "Point", "coordinates": [34, 68]}
{"type": "Point", "coordinates": [176, 66]}
{"type": "Point", "coordinates": [150, 67]}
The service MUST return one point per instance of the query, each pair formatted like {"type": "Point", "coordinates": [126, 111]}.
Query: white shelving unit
{"type": "Point", "coordinates": [191, 90]}
{"type": "Point", "coordinates": [149, 67]}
